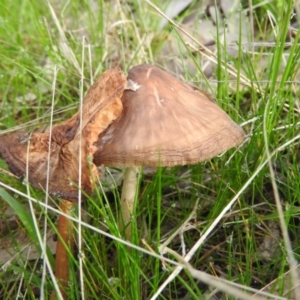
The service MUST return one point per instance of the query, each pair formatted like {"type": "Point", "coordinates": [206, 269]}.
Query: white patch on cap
{"type": "Point", "coordinates": [131, 85]}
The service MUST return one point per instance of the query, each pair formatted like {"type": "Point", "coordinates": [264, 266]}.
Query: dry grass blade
{"type": "Point", "coordinates": [207, 53]}
{"type": "Point", "coordinates": [196, 246]}
{"type": "Point", "coordinates": [64, 47]}
{"type": "Point", "coordinates": [88, 226]}
{"type": "Point", "coordinates": [230, 288]}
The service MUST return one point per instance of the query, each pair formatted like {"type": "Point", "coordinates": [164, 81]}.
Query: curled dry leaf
{"type": "Point", "coordinates": [102, 105]}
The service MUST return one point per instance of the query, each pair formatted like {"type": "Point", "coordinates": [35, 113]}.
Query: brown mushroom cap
{"type": "Point", "coordinates": [101, 106]}
{"type": "Point", "coordinates": [165, 122]}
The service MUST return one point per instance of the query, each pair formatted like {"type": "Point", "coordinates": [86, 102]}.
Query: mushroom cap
{"type": "Point", "coordinates": [165, 122]}
{"type": "Point", "coordinates": [101, 106]}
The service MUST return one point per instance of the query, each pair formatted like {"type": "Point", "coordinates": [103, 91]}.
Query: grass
{"type": "Point", "coordinates": [242, 207]}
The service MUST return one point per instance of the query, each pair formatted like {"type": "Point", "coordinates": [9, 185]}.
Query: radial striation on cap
{"type": "Point", "coordinates": [165, 122]}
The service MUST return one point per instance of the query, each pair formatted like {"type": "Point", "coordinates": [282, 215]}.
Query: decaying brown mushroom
{"type": "Point", "coordinates": [164, 122]}
{"type": "Point", "coordinates": [101, 106]}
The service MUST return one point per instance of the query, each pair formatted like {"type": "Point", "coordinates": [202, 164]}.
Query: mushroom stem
{"type": "Point", "coordinates": [127, 198]}
{"type": "Point", "coordinates": [65, 245]}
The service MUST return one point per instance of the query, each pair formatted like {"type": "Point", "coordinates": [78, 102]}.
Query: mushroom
{"type": "Point", "coordinates": [164, 122]}
{"type": "Point", "coordinates": [101, 106]}
{"type": "Point", "coordinates": [150, 119]}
